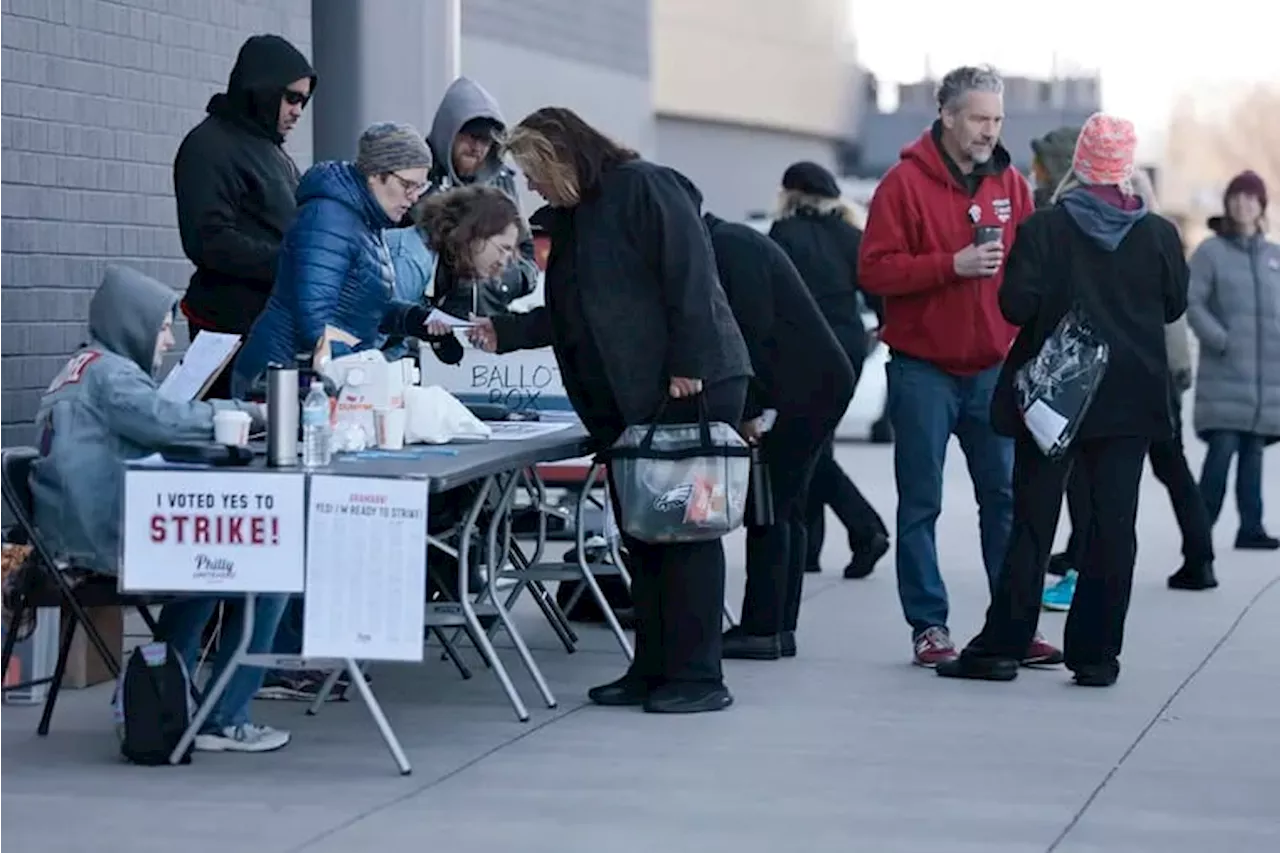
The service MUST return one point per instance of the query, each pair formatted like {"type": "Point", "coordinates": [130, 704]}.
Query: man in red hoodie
{"type": "Point", "coordinates": [938, 230]}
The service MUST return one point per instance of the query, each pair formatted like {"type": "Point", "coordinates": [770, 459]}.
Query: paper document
{"type": "Point", "coordinates": [438, 316]}
{"type": "Point", "coordinates": [202, 363]}
{"type": "Point", "coordinates": [1045, 425]}
{"type": "Point", "coordinates": [520, 430]}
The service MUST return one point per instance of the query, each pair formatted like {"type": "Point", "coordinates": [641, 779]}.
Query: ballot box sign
{"type": "Point", "coordinates": [366, 585]}
{"type": "Point", "coordinates": [213, 531]}
{"type": "Point", "coordinates": [524, 381]}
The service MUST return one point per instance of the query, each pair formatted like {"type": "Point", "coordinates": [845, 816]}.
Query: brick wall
{"type": "Point", "coordinates": [96, 97]}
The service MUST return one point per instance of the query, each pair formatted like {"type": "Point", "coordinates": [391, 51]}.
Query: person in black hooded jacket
{"type": "Point", "coordinates": [235, 186]}
{"type": "Point", "coordinates": [823, 245]}
{"type": "Point", "coordinates": [803, 374]}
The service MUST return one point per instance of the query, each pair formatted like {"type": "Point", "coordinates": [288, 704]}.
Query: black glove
{"type": "Point", "coordinates": [446, 347]}
{"type": "Point", "coordinates": [415, 318]}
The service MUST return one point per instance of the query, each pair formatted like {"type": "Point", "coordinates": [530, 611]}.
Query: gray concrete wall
{"type": "Point", "coordinates": [97, 96]}
{"type": "Point", "coordinates": [739, 169]}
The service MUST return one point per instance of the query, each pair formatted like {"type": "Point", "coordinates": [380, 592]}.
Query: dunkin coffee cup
{"type": "Point", "coordinates": [388, 428]}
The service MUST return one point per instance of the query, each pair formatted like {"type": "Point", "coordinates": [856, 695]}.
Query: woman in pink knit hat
{"type": "Point", "coordinates": [1098, 250]}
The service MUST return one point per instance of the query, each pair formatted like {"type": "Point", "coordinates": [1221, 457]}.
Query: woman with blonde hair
{"type": "Point", "coordinates": [640, 328]}
{"type": "Point", "coordinates": [815, 228]}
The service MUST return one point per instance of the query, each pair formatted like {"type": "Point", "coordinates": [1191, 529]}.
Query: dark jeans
{"type": "Point", "coordinates": [678, 589]}
{"type": "Point", "coordinates": [1247, 448]}
{"type": "Point", "coordinates": [831, 487]}
{"type": "Point", "coordinates": [220, 389]}
{"type": "Point", "coordinates": [1112, 469]}
{"type": "Point", "coordinates": [776, 555]}
{"type": "Point", "coordinates": [1169, 464]}
{"type": "Point", "coordinates": [927, 406]}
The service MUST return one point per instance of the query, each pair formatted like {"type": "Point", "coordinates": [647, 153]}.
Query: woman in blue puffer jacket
{"type": "Point", "coordinates": [334, 268]}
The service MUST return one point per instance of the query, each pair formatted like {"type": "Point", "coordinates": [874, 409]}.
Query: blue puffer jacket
{"type": "Point", "coordinates": [334, 270]}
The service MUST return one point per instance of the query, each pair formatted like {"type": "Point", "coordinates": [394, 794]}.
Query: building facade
{"type": "Point", "coordinates": [98, 95]}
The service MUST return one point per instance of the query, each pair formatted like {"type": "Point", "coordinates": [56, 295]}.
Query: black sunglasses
{"type": "Point", "coordinates": [295, 99]}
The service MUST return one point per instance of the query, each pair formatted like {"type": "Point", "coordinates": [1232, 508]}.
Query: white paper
{"type": "Point", "coordinates": [366, 569]}
{"type": "Point", "coordinates": [521, 430]}
{"type": "Point", "coordinates": [1045, 425]}
{"type": "Point", "coordinates": [212, 531]}
{"type": "Point", "coordinates": [437, 315]}
{"type": "Point", "coordinates": [208, 354]}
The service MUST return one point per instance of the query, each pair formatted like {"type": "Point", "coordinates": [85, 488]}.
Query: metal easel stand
{"type": "Point", "coordinates": [535, 572]}
{"type": "Point", "coordinates": [242, 657]}
{"type": "Point", "coordinates": [464, 614]}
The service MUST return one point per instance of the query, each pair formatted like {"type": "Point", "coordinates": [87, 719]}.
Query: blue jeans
{"type": "Point", "coordinates": [1247, 448]}
{"type": "Point", "coordinates": [182, 626]}
{"type": "Point", "coordinates": [926, 407]}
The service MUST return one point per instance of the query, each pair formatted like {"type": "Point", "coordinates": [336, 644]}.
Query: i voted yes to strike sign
{"type": "Point", "coordinates": [526, 380]}
{"type": "Point", "coordinates": [213, 532]}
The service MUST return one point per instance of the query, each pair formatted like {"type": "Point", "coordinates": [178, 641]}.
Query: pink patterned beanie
{"type": "Point", "coordinates": [1104, 151]}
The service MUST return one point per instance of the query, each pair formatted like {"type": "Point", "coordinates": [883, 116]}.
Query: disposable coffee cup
{"type": "Point", "coordinates": [388, 428]}
{"type": "Point", "coordinates": [231, 427]}
{"type": "Point", "coordinates": [983, 234]}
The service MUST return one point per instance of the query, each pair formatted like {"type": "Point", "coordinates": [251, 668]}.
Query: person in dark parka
{"type": "Point", "coordinates": [636, 317]}
{"type": "Point", "coordinates": [235, 185]}
{"type": "Point", "coordinates": [1101, 252]}
{"type": "Point", "coordinates": [812, 228]}
{"type": "Point", "coordinates": [802, 373]}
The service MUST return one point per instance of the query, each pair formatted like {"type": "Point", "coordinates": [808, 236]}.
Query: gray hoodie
{"type": "Point", "coordinates": [102, 409]}
{"type": "Point", "coordinates": [464, 101]}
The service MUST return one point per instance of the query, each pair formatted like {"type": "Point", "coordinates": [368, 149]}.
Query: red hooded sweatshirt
{"type": "Point", "coordinates": [920, 216]}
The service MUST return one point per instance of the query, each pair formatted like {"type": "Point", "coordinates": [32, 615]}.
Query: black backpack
{"type": "Point", "coordinates": [153, 705]}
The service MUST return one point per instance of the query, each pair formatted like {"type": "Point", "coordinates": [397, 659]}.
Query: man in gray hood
{"type": "Point", "coordinates": [102, 409]}
{"type": "Point", "coordinates": [465, 139]}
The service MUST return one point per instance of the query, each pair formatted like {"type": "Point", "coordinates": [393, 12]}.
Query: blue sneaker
{"type": "Point", "coordinates": [1058, 597]}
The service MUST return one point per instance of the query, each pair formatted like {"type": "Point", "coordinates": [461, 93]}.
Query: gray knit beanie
{"type": "Point", "coordinates": [389, 146]}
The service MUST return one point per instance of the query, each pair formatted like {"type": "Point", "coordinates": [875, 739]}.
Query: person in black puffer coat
{"type": "Point", "coordinates": [814, 231]}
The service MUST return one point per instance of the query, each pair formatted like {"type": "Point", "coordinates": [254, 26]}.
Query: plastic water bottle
{"type": "Point", "coordinates": [315, 427]}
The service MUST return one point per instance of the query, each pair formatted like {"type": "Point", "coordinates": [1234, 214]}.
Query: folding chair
{"type": "Point", "coordinates": [45, 583]}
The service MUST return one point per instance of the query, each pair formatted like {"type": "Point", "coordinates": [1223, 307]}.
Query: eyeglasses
{"type": "Point", "coordinates": [296, 99]}
{"type": "Point", "coordinates": [410, 188]}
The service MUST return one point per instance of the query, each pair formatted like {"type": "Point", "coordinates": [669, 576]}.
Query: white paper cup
{"type": "Point", "coordinates": [388, 428]}
{"type": "Point", "coordinates": [231, 427]}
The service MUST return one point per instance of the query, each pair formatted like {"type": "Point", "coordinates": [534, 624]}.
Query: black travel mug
{"type": "Point", "coordinates": [983, 234]}
{"type": "Point", "coordinates": [761, 490]}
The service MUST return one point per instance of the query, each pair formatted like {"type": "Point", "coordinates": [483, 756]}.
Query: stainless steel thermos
{"type": "Point", "coordinates": [282, 416]}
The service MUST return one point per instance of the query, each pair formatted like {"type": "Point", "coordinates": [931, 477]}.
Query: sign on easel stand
{"type": "Point", "coordinates": [366, 583]}
{"type": "Point", "coordinates": [213, 532]}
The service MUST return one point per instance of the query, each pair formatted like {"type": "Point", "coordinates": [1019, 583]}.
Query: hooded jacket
{"type": "Point", "coordinates": [1121, 266]}
{"type": "Point", "coordinates": [466, 100]}
{"type": "Point", "coordinates": [921, 215]}
{"type": "Point", "coordinates": [104, 408]}
{"type": "Point", "coordinates": [335, 270]}
{"type": "Point", "coordinates": [235, 187]}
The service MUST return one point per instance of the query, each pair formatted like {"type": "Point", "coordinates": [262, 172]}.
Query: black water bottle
{"type": "Point", "coordinates": [761, 490]}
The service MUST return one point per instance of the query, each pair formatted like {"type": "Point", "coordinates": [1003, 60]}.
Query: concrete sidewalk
{"type": "Point", "coordinates": [845, 748]}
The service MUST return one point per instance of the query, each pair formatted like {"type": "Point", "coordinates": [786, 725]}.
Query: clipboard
{"type": "Point", "coordinates": [209, 354]}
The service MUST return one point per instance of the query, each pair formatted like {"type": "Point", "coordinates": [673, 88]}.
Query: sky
{"type": "Point", "coordinates": [1209, 51]}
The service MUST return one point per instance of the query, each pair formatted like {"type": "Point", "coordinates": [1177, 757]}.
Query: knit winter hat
{"type": "Point", "coordinates": [1104, 152]}
{"type": "Point", "coordinates": [1249, 182]}
{"type": "Point", "coordinates": [389, 147]}
{"type": "Point", "coordinates": [810, 179]}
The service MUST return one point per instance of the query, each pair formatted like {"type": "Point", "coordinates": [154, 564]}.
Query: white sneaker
{"type": "Point", "coordinates": [242, 738]}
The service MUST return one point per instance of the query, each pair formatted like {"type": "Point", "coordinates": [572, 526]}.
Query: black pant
{"type": "Point", "coordinates": [678, 589]}
{"type": "Point", "coordinates": [1112, 469]}
{"type": "Point", "coordinates": [220, 389]}
{"type": "Point", "coordinates": [1169, 464]}
{"type": "Point", "coordinates": [776, 554]}
{"type": "Point", "coordinates": [831, 487]}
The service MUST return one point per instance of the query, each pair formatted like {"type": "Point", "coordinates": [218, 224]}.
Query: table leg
{"type": "Point", "coordinates": [379, 718]}
{"type": "Point", "coordinates": [219, 685]}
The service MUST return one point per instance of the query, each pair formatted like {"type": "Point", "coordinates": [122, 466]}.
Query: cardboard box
{"type": "Point", "coordinates": [85, 667]}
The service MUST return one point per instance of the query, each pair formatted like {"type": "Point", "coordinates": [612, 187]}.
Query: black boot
{"type": "Point", "coordinates": [629, 690]}
{"type": "Point", "coordinates": [1258, 540]}
{"type": "Point", "coordinates": [693, 697]}
{"type": "Point", "coordinates": [865, 557]}
{"type": "Point", "coordinates": [737, 644]}
{"type": "Point", "coordinates": [979, 667]}
{"type": "Point", "coordinates": [1194, 577]}
{"type": "Point", "coordinates": [787, 643]}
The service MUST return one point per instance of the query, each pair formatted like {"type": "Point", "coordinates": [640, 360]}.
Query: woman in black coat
{"type": "Point", "coordinates": [1099, 250]}
{"type": "Point", "coordinates": [813, 231]}
{"type": "Point", "coordinates": [636, 316]}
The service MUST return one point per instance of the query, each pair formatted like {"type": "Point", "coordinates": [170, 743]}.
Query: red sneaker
{"type": "Point", "coordinates": [933, 647]}
{"type": "Point", "coordinates": [1040, 653]}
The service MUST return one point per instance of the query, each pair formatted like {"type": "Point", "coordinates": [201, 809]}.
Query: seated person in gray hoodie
{"type": "Point", "coordinates": [104, 408]}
